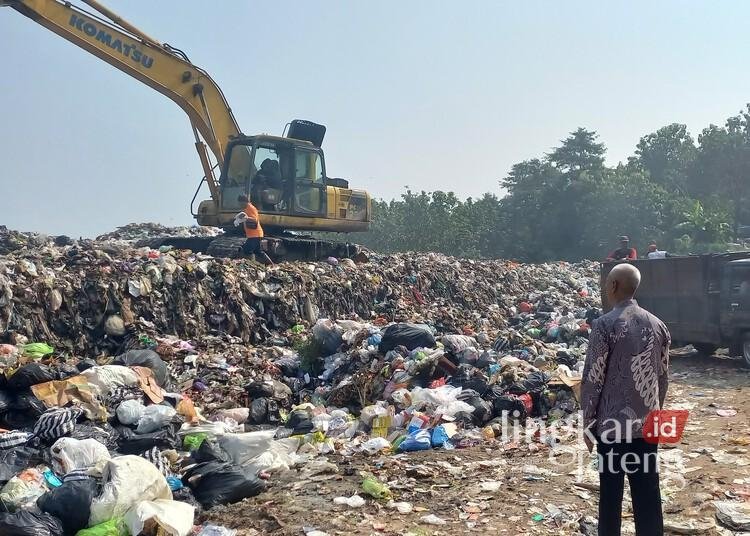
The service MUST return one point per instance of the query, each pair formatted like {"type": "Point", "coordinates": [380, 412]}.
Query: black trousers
{"type": "Point", "coordinates": [252, 247]}
{"type": "Point", "coordinates": [638, 461]}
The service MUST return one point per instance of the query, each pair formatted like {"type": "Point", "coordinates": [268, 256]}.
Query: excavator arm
{"type": "Point", "coordinates": [159, 66]}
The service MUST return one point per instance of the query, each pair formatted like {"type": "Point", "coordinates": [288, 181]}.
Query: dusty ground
{"type": "Point", "coordinates": [518, 489]}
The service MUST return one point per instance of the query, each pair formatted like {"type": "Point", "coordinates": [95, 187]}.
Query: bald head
{"type": "Point", "coordinates": [622, 282]}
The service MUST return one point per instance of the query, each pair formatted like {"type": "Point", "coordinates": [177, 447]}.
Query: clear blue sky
{"type": "Point", "coordinates": [430, 94]}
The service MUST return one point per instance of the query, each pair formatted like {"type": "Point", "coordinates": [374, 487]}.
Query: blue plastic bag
{"type": "Point", "coordinates": [439, 436]}
{"type": "Point", "coordinates": [374, 339]}
{"type": "Point", "coordinates": [419, 440]}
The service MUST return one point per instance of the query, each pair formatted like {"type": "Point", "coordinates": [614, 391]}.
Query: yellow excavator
{"type": "Point", "coordinates": [285, 176]}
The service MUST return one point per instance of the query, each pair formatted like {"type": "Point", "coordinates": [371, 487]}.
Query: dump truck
{"type": "Point", "coordinates": [285, 176]}
{"type": "Point", "coordinates": [703, 299]}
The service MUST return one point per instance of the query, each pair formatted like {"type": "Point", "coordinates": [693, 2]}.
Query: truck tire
{"type": "Point", "coordinates": [746, 349]}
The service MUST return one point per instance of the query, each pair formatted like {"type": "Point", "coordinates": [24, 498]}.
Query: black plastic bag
{"type": "Point", "coordinates": [25, 523]}
{"type": "Point", "coordinates": [289, 366]}
{"type": "Point", "coordinates": [145, 358]}
{"type": "Point", "coordinates": [85, 364]}
{"type": "Point", "coordinates": [259, 411]}
{"type": "Point", "coordinates": [5, 401]}
{"type": "Point", "coordinates": [29, 375]}
{"type": "Point", "coordinates": [533, 383]}
{"type": "Point", "coordinates": [564, 358]}
{"type": "Point", "coordinates": [71, 503]}
{"type": "Point", "coordinates": [65, 370]}
{"type": "Point", "coordinates": [409, 335]}
{"type": "Point", "coordinates": [295, 384]}
{"type": "Point", "coordinates": [130, 442]}
{"type": "Point", "coordinates": [209, 451]}
{"type": "Point", "coordinates": [215, 483]}
{"type": "Point", "coordinates": [13, 461]}
{"type": "Point", "coordinates": [24, 411]}
{"type": "Point", "coordinates": [259, 390]}
{"type": "Point", "coordinates": [483, 410]}
{"type": "Point", "coordinates": [512, 405]}
{"type": "Point", "coordinates": [103, 433]}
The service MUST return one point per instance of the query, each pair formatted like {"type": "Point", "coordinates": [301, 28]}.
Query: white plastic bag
{"type": "Point", "coordinates": [107, 377]}
{"type": "Point", "coordinates": [375, 445]}
{"type": "Point", "coordinates": [130, 411]}
{"type": "Point", "coordinates": [154, 417]}
{"type": "Point", "coordinates": [127, 481]}
{"type": "Point", "coordinates": [440, 401]}
{"type": "Point", "coordinates": [328, 334]}
{"type": "Point", "coordinates": [174, 517]}
{"type": "Point", "coordinates": [68, 453]}
{"type": "Point", "coordinates": [257, 451]}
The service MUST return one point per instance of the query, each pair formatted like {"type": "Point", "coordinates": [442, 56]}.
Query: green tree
{"type": "Point", "coordinates": [667, 155]}
{"type": "Point", "coordinates": [580, 151]}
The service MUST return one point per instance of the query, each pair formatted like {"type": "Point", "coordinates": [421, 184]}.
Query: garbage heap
{"type": "Point", "coordinates": [139, 387]}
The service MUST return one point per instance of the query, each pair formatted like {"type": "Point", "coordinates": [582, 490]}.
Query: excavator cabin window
{"type": "Point", "coordinates": [280, 179]}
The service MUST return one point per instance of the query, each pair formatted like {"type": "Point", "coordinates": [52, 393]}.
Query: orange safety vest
{"type": "Point", "coordinates": [252, 212]}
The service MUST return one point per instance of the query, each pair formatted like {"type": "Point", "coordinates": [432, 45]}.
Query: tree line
{"type": "Point", "coordinates": [690, 196]}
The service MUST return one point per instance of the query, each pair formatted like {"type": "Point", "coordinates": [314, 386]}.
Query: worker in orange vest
{"type": "Point", "coordinates": [253, 231]}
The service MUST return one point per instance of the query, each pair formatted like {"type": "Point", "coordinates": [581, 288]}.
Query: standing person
{"type": "Point", "coordinates": [624, 379]}
{"type": "Point", "coordinates": [253, 231]}
{"type": "Point", "coordinates": [655, 253]}
{"type": "Point", "coordinates": [624, 252]}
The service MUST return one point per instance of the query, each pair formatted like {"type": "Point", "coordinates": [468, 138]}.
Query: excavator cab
{"type": "Point", "coordinates": [283, 177]}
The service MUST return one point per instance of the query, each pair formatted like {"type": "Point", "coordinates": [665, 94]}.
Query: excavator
{"type": "Point", "coordinates": [284, 176]}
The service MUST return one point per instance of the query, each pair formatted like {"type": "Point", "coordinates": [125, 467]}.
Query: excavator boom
{"type": "Point", "coordinates": [284, 176]}
{"type": "Point", "coordinates": [157, 65]}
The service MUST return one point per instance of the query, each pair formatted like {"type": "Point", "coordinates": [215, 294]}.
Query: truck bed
{"type": "Point", "coordinates": [684, 292]}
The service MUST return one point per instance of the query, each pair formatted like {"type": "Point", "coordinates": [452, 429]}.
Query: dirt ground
{"type": "Point", "coordinates": [519, 489]}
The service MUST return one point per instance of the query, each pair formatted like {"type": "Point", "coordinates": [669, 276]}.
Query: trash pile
{"type": "Point", "coordinates": [141, 231]}
{"type": "Point", "coordinates": [140, 387]}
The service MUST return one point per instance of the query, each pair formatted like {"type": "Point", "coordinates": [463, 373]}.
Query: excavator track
{"type": "Point", "coordinates": [280, 248]}
{"type": "Point", "coordinates": [227, 247]}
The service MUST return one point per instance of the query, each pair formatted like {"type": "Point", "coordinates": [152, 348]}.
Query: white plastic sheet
{"type": "Point", "coordinates": [174, 517]}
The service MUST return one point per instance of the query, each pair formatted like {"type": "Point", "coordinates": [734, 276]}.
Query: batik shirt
{"type": "Point", "coordinates": [625, 375]}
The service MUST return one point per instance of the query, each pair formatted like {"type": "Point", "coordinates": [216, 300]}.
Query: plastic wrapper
{"type": "Point", "coordinates": [22, 491]}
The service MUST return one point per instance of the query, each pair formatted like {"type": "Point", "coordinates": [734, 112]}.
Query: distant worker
{"type": "Point", "coordinates": [655, 253]}
{"type": "Point", "coordinates": [624, 252]}
{"type": "Point", "coordinates": [625, 378]}
{"type": "Point", "coordinates": [253, 231]}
